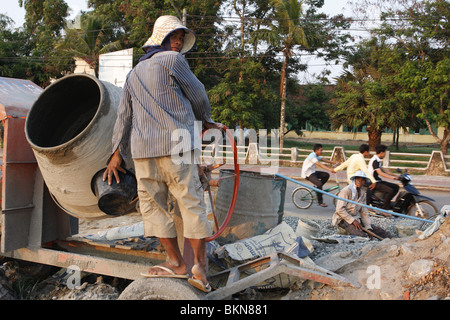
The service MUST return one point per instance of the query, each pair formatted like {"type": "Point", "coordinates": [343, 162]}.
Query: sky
{"type": "Point", "coordinates": [11, 8]}
{"type": "Point", "coordinates": [333, 7]}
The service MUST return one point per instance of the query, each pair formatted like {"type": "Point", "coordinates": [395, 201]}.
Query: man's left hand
{"type": "Point", "coordinates": [214, 125]}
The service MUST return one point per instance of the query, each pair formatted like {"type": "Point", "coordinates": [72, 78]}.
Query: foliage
{"type": "Point", "coordinates": [402, 73]}
{"type": "Point", "coordinates": [313, 108]}
{"type": "Point", "coordinates": [44, 23]}
{"type": "Point", "coordinates": [423, 34]}
{"type": "Point", "coordinates": [243, 97]}
{"type": "Point", "coordinates": [11, 50]}
{"type": "Point", "coordinates": [87, 43]}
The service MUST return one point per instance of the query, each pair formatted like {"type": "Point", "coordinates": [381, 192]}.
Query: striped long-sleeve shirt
{"type": "Point", "coordinates": [162, 101]}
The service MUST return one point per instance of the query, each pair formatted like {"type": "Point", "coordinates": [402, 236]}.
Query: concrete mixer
{"type": "Point", "coordinates": [69, 128]}
{"type": "Point", "coordinates": [55, 141]}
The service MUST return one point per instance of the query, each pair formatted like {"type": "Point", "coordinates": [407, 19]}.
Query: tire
{"type": "Point", "coordinates": [302, 198]}
{"type": "Point", "coordinates": [428, 208]}
{"type": "Point", "coordinates": [425, 225]}
{"type": "Point", "coordinates": [161, 289]}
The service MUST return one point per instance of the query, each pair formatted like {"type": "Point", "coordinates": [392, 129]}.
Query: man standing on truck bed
{"type": "Point", "coordinates": [162, 95]}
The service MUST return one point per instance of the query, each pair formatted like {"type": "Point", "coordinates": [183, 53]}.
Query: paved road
{"type": "Point", "coordinates": [441, 198]}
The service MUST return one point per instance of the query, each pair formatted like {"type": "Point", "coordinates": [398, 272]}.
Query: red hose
{"type": "Point", "coordinates": [235, 188]}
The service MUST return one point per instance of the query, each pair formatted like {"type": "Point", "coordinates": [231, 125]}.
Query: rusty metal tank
{"type": "Point", "coordinates": [69, 128]}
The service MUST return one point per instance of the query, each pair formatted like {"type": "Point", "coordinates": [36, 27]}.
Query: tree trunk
{"type": "Point", "coordinates": [374, 138]}
{"type": "Point", "coordinates": [283, 87]}
{"type": "Point", "coordinates": [397, 138]}
{"type": "Point", "coordinates": [445, 141]}
{"type": "Point", "coordinates": [241, 18]}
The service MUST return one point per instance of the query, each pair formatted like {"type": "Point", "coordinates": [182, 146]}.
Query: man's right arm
{"type": "Point", "coordinates": [343, 165]}
{"type": "Point", "coordinates": [120, 138]}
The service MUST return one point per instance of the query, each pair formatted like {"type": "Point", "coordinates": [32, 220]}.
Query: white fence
{"type": "Point", "coordinates": [431, 164]}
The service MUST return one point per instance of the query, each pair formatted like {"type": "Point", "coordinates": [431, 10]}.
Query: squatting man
{"type": "Point", "coordinates": [351, 216]}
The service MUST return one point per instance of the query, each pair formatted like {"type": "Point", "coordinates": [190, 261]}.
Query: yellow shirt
{"type": "Point", "coordinates": [355, 163]}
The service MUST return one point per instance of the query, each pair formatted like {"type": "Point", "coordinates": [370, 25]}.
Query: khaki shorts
{"type": "Point", "coordinates": [157, 177]}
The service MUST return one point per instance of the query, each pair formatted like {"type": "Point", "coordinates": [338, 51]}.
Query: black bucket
{"type": "Point", "coordinates": [115, 199]}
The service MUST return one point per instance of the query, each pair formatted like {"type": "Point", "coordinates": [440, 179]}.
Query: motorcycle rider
{"type": "Point", "coordinates": [388, 189]}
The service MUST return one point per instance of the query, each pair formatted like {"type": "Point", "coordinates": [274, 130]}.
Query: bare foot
{"type": "Point", "coordinates": [199, 273]}
{"type": "Point", "coordinates": [167, 269]}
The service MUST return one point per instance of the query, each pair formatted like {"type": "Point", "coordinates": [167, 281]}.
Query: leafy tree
{"type": "Point", "coordinates": [131, 20]}
{"type": "Point", "coordinates": [285, 33]}
{"type": "Point", "coordinates": [131, 23]}
{"type": "Point", "coordinates": [313, 108]}
{"type": "Point", "coordinates": [12, 63]}
{"type": "Point", "coordinates": [292, 27]}
{"type": "Point", "coordinates": [421, 30]}
{"type": "Point", "coordinates": [44, 23]}
{"type": "Point", "coordinates": [87, 43]}
{"type": "Point", "coordinates": [362, 96]}
{"type": "Point", "coordinates": [243, 97]}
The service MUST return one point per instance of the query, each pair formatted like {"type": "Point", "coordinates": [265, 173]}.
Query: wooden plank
{"type": "Point", "coordinates": [87, 263]}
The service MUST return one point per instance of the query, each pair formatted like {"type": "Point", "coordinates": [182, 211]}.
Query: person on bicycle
{"type": "Point", "coordinates": [387, 188]}
{"type": "Point", "coordinates": [318, 178]}
{"type": "Point", "coordinates": [352, 217]}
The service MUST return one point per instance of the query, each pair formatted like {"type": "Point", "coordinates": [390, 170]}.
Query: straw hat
{"type": "Point", "coordinates": [164, 25]}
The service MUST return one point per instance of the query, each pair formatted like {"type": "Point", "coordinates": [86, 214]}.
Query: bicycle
{"type": "Point", "coordinates": [303, 198]}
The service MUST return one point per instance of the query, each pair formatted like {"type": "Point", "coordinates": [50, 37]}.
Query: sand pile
{"type": "Point", "coordinates": [400, 268]}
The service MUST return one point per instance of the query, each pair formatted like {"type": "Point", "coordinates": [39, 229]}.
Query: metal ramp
{"type": "Point", "coordinates": [238, 278]}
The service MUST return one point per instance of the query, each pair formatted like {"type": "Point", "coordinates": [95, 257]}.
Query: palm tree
{"type": "Point", "coordinates": [355, 106]}
{"type": "Point", "coordinates": [87, 43]}
{"type": "Point", "coordinates": [286, 33]}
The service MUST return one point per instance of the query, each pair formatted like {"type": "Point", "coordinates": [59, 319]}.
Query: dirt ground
{"type": "Point", "coordinates": [392, 269]}
{"type": "Point", "coordinates": [408, 269]}
{"type": "Point", "coordinates": [384, 269]}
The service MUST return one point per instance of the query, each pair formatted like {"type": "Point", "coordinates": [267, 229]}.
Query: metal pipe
{"type": "Point", "coordinates": [354, 202]}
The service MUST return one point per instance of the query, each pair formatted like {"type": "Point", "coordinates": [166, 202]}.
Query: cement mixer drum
{"type": "Point", "coordinates": [69, 128]}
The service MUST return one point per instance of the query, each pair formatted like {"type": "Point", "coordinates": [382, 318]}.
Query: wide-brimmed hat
{"type": "Point", "coordinates": [360, 174]}
{"type": "Point", "coordinates": [165, 25]}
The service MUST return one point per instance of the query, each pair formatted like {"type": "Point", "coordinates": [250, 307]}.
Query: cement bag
{"type": "Point", "coordinates": [281, 238]}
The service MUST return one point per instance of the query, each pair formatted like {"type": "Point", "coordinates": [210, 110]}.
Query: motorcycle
{"type": "Point", "coordinates": [408, 201]}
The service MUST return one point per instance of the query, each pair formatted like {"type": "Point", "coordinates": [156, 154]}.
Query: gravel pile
{"type": "Point", "coordinates": [323, 229]}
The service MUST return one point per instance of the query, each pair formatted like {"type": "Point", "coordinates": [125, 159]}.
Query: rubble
{"type": "Point", "coordinates": [406, 267]}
